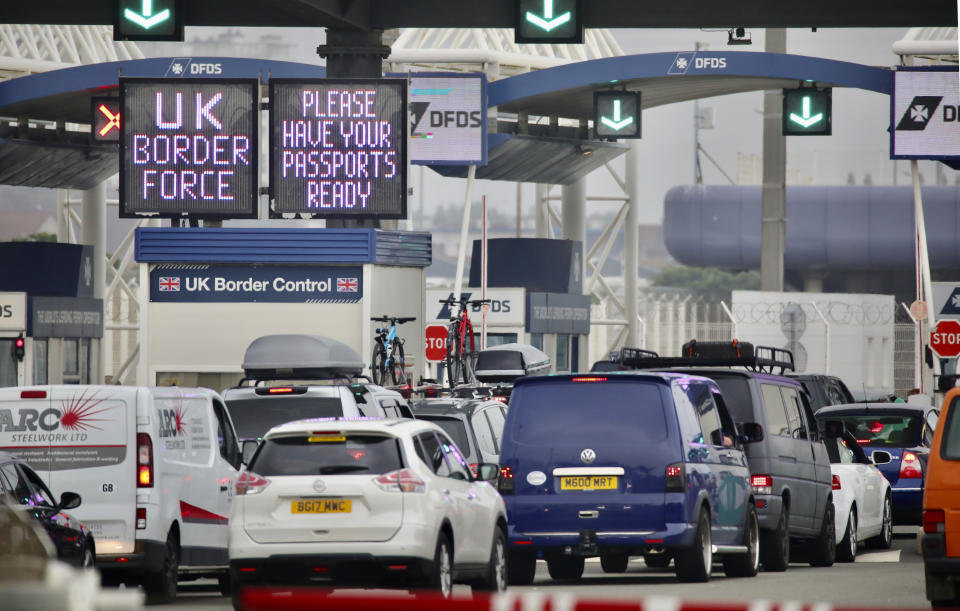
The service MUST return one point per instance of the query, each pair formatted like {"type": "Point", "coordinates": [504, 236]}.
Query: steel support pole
{"type": "Point", "coordinates": [464, 233]}
{"type": "Point", "coordinates": [573, 205]}
{"type": "Point", "coordinates": [540, 213]}
{"type": "Point", "coordinates": [774, 206]}
{"type": "Point", "coordinates": [94, 204]}
{"type": "Point", "coordinates": [631, 245]}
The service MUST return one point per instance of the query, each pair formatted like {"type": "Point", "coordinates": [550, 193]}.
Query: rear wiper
{"type": "Point", "coordinates": [330, 469]}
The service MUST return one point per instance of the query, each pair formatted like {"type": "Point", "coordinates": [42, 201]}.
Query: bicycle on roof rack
{"type": "Point", "coordinates": [459, 361]}
{"type": "Point", "coordinates": [762, 359]}
{"type": "Point", "coordinates": [388, 352]}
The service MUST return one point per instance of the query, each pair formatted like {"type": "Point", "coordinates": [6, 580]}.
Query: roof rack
{"type": "Point", "coordinates": [763, 359]}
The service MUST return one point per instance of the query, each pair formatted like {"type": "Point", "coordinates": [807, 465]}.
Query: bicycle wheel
{"type": "Point", "coordinates": [397, 363]}
{"type": "Point", "coordinates": [454, 358]}
{"type": "Point", "coordinates": [378, 368]}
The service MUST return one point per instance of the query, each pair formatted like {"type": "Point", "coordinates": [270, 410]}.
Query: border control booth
{"type": "Point", "coordinates": [211, 291]}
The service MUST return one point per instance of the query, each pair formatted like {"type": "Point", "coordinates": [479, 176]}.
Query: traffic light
{"type": "Point", "coordinates": [19, 348]}
{"type": "Point", "coordinates": [806, 112]}
{"type": "Point", "coordinates": [147, 20]}
{"type": "Point", "coordinates": [548, 21]}
{"type": "Point", "coordinates": [616, 114]}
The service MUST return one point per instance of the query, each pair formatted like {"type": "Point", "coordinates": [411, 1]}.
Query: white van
{"type": "Point", "coordinates": [156, 468]}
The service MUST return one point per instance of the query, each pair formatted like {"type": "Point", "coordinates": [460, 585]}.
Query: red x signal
{"type": "Point", "coordinates": [113, 120]}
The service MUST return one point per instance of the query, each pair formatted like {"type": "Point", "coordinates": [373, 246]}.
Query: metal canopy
{"type": "Point", "coordinates": [556, 161]}
{"type": "Point", "coordinates": [370, 14]}
{"type": "Point", "coordinates": [56, 165]}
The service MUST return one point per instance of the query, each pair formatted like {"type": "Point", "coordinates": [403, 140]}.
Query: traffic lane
{"type": "Point", "coordinates": [888, 578]}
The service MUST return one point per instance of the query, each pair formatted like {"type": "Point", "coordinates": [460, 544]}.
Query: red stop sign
{"type": "Point", "coordinates": [436, 336]}
{"type": "Point", "coordinates": [945, 339]}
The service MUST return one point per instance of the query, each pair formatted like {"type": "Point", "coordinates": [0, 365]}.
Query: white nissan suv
{"type": "Point", "coordinates": [369, 503]}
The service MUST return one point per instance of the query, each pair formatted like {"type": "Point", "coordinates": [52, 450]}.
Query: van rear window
{"type": "Point", "coordinates": [950, 443]}
{"type": "Point", "coordinates": [255, 416]}
{"type": "Point", "coordinates": [350, 455]}
{"type": "Point", "coordinates": [613, 411]}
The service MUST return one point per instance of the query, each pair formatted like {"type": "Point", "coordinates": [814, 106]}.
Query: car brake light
{"type": "Point", "coordinates": [505, 481]}
{"type": "Point", "coordinates": [934, 521]}
{"type": "Point", "coordinates": [675, 479]}
{"type": "Point", "coordinates": [588, 379]}
{"type": "Point", "coordinates": [403, 480]}
{"type": "Point", "coordinates": [836, 483]}
{"type": "Point", "coordinates": [280, 390]}
{"type": "Point", "coordinates": [33, 394]}
{"type": "Point", "coordinates": [876, 427]}
{"type": "Point", "coordinates": [762, 484]}
{"type": "Point", "coordinates": [144, 461]}
{"type": "Point", "coordinates": [141, 518]}
{"type": "Point", "coordinates": [910, 467]}
{"type": "Point", "coordinates": [251, 483]}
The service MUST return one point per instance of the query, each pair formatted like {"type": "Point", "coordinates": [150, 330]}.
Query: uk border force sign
{"type": "Point", "coordinates": [925, 114]}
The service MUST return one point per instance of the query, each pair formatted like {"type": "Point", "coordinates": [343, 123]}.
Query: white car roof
{"type": "Point", "coordinates": [395, 426]}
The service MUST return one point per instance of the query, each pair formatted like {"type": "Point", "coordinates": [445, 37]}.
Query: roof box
{"type": "Point", "coordinates": [300, 357]}
{"type": "Point", "coordinates": [507, 362]}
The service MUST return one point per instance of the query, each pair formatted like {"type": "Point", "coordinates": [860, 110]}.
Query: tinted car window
{"type": "Point", "coordinates": [615, 411]}
{"type": "Point", "coordinates": [794, 420]}
{"type": "Point", "coordinates": [702, 400]}
{"type": "Point", "coordinates": [687, 417]}
{"type": "Point", "coordinates": [354, 454]}
{"type": "Point", "coordinates": [21, 489]}
{"type": "Point", "coordinates": [481, 428]}
{"type": "Point", "coordinates": [41, 493]}
{"type": "Point", "coordinates": [454, 427]}
{"type": "Point", "coordinates": [950, 443]}
{"type": "Point", "coordinates": [497, 420]}
{"type": "Point", "coordinates": [431, 453]}
{"type": "Point", "coordinates": [884, 429]}
{"type": "Point", "coordinates": [736, 394]}
{"type": "Point", "coordinates": [776, 415]}
{"type": "Point", "coordinates": [454, 459]}
{"type": "Point", "coordinates": [254, 416]}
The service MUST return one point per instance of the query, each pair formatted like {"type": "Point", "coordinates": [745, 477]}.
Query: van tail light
{"type": "Point", "coordinates": [762, 484]}
{"type": "Point", "coordinates": [505, 481]}
{"type": "Point", "coordinates": [836, 483]}
{"type": "Point", "coordinates": [934, 521]}
{"type": "Point", "coordinates": [403, 480]}
{"type": "Point", "coordinates": [910, 467]}
{"type": "Point", "coordinates": [251, 483]}
{"type": "Point", "coordinates": [675, 478]}
{"type": "Point", "coordinates": [144, 461]}
{"type": "Point", "coordinates": [141, 518]}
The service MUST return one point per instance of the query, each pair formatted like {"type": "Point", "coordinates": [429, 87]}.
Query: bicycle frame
{"type": "Point", "coordinates": [388, 339]}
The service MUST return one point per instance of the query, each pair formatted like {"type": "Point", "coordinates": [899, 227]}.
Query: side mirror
{"type": "Point", "coordinates": [249, 449]}
{"type": "Point", "coordinates": [69, 500]}
{"type": "Point", "coordinates": [880, 457]}
{"type": "Point", "coordinates": [751, 432]}
{"type": "Point", "coordinates": [488, 471]}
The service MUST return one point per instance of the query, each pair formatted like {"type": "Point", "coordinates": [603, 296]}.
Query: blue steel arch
{"type": "Point", "coordinates": [602, 73]}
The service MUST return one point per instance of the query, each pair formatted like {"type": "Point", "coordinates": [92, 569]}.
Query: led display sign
{"type": "Point", "coordinates": [448, 115]}
{"type": "Point", "coordinates": [105, 122]}
{"type": "Point", "coordinates": [338, 147]}
{"type": "Point", "coordinates": [147, 20]}
{"type": "Point", "coordinates": [616, 114]}
{"type": "Point", "coordinates": [548, 21]}
{"type": "Point", "coordinates": [189, 147]}
{"type": "Point", "coordinates": [807, 112]}
{"type": "Point", "coordinates": [925, 114]}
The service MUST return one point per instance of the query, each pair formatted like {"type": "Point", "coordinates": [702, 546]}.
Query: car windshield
{"type": "Point", "coordinates": [454, 427]}
{"type": "Point", "coordinates": [893, 430]}
{"type": "Point", "coordinates": [736, 395]}
{"type": "Point", "coordinates": [328, 455]}
{"type": "Point", "coordinates": [254, 416]}
{"type": "Point", "coordinates": [625, 411]}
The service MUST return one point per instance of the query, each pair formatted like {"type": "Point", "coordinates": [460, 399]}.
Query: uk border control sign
{"type": "Point", "coordinates": [338, 148]}
{"type": "Point", "coordinates": [925, 114]}
{"type": "Point", "coordinates": [188, 147]}
{"type": "Point", "coordinates": [448, 119]}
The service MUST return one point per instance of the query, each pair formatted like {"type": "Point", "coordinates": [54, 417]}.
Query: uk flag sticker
{"type": "Point", "coordinates": [347, 285]}
{"type": "Point", "coordinates": [169, 283]}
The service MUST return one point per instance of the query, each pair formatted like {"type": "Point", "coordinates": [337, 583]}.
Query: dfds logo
{"type": "Point", "coordinates": [206, 68]}
{"type": "Point", "coordinates": [716, 63]}
{"type": "Point", "coordinates": [185, 65]}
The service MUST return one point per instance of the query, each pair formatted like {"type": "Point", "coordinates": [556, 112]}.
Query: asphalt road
{"type": "Point", "coordinates": [892, 579]}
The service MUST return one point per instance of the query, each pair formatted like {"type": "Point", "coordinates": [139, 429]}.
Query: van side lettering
{"type": "Point", "coordinates": [43, 417]}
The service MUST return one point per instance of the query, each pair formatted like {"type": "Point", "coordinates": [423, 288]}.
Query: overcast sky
{"type": "Point", "coordinates": [859, 144]}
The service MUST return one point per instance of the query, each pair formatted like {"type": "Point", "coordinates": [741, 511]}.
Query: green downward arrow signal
{"type": "Point", "coordinates": [616, 123]}
{"type": "Point", "coordinates": [145, 18]}
{"type": "Point", "coordinates": [548, 21]}
{"type": "Point", "coordinates": [806, 120]}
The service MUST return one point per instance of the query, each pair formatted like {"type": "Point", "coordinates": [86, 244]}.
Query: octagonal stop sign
{"type": "Point", "coordinates": [436, 336]}
{"type": "Point", "coordinates": [945, 339]}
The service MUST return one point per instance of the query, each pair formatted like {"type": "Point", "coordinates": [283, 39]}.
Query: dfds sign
{"type": "Point", "coordinates": [925, 114]}
{"type": "Point", "coordinates": [338, 147]}
{"type": "Point", "coordinates": [189, 147]}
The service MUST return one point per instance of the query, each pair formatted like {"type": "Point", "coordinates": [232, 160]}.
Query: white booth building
{"type": "Point", "coordinates": [211, 291]}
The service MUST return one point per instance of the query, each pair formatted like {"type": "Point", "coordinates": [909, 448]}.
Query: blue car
{"type": "Point", "coordinates": [625, 464]}
{"type": "Point", "coordinates": [903, 430]}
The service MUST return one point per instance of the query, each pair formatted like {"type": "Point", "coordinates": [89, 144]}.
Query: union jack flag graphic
{"type": "Point", "coordinates": [169, 283]}
{"type": "Point", "coordinates": [347, 285]}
